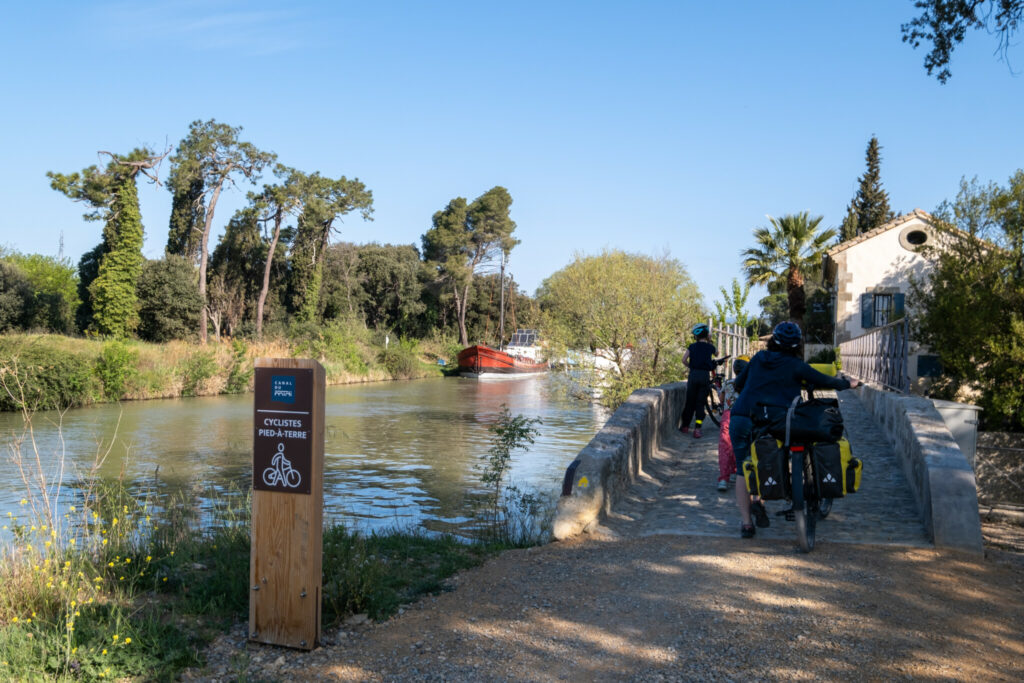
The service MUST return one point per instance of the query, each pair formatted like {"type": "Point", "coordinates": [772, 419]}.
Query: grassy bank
{"type": "Point", "coordinates": [109, 579]}
{"type": "Point", "coordinates": [116, 588]}
{"type": "Point", "coordinates": [54, 371]}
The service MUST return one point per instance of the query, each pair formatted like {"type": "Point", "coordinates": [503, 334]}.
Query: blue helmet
{"type": "Point", "coordinates": [700, 330]}
{"type": "Point", "coordinates": [787, 335]}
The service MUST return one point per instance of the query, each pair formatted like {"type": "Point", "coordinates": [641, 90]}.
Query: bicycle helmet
{"type": "Point", "coordinates": [787, 335]}
{"type": "Point", "coordinates": [739, 364]}
{"type": "Point", "coordinates": [700, 330]}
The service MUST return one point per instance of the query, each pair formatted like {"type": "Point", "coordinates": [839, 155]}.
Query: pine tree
{"type": "Point", "coordinates": [870, 206]}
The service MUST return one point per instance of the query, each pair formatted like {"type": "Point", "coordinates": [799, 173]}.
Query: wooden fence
{"type": "Point", "coordinates": [732, 340]}
{"type": "Point", "coordinates": [880, 357]}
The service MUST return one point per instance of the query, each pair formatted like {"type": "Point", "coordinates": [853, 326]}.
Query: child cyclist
{"type": "Point", "coordinates": [726, 457]}
{"type": "Point", "coordinates": [700, 359]}
{"type": "Point", "coordinates": [773, 377]}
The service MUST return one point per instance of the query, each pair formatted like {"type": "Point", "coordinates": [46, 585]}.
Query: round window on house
{"type": "Point", "coordinates": [914, 237]}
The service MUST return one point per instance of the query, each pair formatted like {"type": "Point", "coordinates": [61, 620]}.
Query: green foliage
{"type": "Point", "coordinates": [732, 307]}
{"type": "Point", "coordinates": [15, 297]}
{"type": "Point", "coordinates": [116, 369]}
{"type": "Point", "coordinates": [324, 201]}
{"type": "Point", "coordinates": [828, 355]}
{"type": "Point", "coordinates": [393, 279]}
{"type": "Point", "coordinates": [618, 301]}
{"type": "Point", "coordinates": [195, 369]}
{"type": "Point", "coordinates": [466, 237]}
{"type": "Point", "coordinates": [188, 212]}
{"type": "Point", "coordinates": [787, 254]}
{"type": "Point", "coordinates": [971, 310]}
{"type": "Point", "coordinates": [169, 303]}
{"type": "Point", "coordinates": [944, 24]}
{"type": "Point", "coordinates": [401, 358]}
{"type": "Point", "coordinates": [337, 341]}
{"type": "Point", "coordinates": [34, 376]}
{"type": "Point", "coordinates": [869, 208]}
{"type": "Point", "coordinates": [241, 370]}
{"type": "Point", "coordinates": [113, 292]}
{"type": "Point", "coordinates": [54, 286]}
{"type": "Point", "coordinates": [505, 503]}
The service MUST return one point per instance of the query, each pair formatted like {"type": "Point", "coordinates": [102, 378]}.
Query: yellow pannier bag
{"type": "Point", "coordinates": [765, 472]}
{"type": "Point", "coordinates": [836, 470]}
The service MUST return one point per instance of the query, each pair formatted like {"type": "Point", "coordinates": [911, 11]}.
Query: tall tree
{"type": "Point", "coordinates": [393, 278]}
{"type": "Point", "coordinates": [732, 307]}
{"type": "Point", "coordinates": [275, 204]}
{"type": "Point", "coordinates": [944, 24]}
{"type": "Point", "coordinates": [790, 251]}
{"type": "Point", "coordinates": [113, 196]}
{"type": "Point", "coordinates": [869, 208]}
{"type": "Point", "coordinates": [465, 239]}
{"type": "Point", "coordinates": [210, 156]}
{"type": "Point", "coordinates": [324, 202]}
{"type": "Point", "coordinates": [188, 213]}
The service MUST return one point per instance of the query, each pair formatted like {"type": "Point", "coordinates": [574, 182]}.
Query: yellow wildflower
{"type": "Point", "coordinates": [127, 640]}
{"type": "Point", "coordinates": [24, 502]}
{"type": "Point", "coordinates": [116, 637]}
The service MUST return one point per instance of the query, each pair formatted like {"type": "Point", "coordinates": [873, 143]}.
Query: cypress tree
{"type": "Point", "coordinates": [188, 217]}
{"type": "Point", "coordinates": [113, 292]}
{"type": "Point", "coordinates": [869, 208]}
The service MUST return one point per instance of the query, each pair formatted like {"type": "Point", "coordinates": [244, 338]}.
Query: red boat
{"type": "Point", "coordinates": [483, 362]}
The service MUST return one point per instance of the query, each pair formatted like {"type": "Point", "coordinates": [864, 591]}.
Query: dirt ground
{"type": "Point", "coordinates": [683, 608]}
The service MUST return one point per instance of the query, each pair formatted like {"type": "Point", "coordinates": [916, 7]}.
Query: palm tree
{"type": "Point", "coordinates": [788, 252]}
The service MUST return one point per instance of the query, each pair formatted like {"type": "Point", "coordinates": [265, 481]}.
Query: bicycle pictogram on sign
{"type": "Point", "coordinates": [281, 473]}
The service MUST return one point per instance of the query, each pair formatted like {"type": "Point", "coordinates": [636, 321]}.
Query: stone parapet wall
{"type": "Point", "coordinates": [616, 456]}
{"type": "Point", "coordinates": [941, 478]}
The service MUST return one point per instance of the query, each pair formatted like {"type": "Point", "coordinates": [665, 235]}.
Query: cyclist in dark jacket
{"type": "Point", "coordinates": [775, 377]}
{"type": "Point", "coordinates": [700, 359]}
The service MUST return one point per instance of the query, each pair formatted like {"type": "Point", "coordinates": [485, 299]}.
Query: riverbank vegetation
{"type": "Point", "coordinates": [113, 580]}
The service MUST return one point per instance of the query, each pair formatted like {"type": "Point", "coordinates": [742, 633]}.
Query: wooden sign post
{"type": "Point", "coordinates": [285, 570]}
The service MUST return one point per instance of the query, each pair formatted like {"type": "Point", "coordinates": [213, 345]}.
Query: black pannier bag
{"type": "Point", "coordinates": [765, 472]}
{"type": "Point", "coordinates": [815, 420]}
{"type": "Point", "coordinates": [828, 470]}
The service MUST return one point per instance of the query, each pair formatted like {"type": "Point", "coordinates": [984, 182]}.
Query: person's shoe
{"type": "Point", "coordinates": [723, 486]}
{"type": "Point", "coordinates": [732, 478]}
{"type": "Point", "coordinates": [760, 514]}
{"type": "Point", "coordinates": [697, 433]}
{"type": "Point", "coordinates": [747, 531]}
{"type": "Point", "coordinates": [685, 430]}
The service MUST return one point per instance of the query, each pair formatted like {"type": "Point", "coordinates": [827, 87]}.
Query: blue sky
{"type": "Point", "coordinates": [651, 127]}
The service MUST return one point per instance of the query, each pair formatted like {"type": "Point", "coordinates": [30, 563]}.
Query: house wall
{"type": "Point", "coordinates": [879, 265]}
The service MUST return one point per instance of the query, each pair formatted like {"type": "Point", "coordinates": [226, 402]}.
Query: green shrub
{"type": "Point", "coordinates": [195, 370]}
{"type": "Point", "coordinates": [37, 377]}
{"type": "Point", "coordinates": [401, 359]}
{"type": "Point", "coordinates": [169, 302]}
{"type": "Point", "coordinates": [828, 355]}
{"type": "Point", "coordinates": [241, 369]}
{"type": "Point", "coordinates": [336, 341]}
{"type": "Point", "coordinates": [116, 368]}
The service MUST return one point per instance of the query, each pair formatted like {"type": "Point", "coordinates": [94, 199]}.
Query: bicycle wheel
{"type": "Point", "coordinates": [805, 508]}
{"type": "Point", "coordinates": [805, 523]}
{"type": "Point", "coordinates": [713, 409]}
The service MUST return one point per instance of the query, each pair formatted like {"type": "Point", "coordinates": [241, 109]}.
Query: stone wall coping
{"type": "Point", "coordinates": [616, 456]}
{"type": "Point", "coordinates": [940, 477]}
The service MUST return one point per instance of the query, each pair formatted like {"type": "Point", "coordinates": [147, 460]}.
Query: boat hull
{"type": "Point", "coordinates": [483, 362]}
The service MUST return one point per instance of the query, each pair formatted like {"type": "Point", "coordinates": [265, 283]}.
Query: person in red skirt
{"type": "Point", "coordinates": [726, 457]}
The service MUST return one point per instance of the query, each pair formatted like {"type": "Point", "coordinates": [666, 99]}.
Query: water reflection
{"type": "Point", "coordinates": [396, 453]}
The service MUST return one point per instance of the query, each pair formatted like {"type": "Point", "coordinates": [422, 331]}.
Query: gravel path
{"type": "Point", "coordinates": [665, 591]}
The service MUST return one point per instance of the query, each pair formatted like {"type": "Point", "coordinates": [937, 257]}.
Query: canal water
{"type": "Point", "coordinates": [397, 454]}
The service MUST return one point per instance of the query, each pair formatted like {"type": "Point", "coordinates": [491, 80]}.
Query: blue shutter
{"type": "Point", "coordinates": [867, 310]}
{"type": "Point", "coordinates": [898, 301]}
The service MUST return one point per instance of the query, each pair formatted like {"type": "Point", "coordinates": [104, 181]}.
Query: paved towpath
{"type": "Point", "coordinates": [677, 494]}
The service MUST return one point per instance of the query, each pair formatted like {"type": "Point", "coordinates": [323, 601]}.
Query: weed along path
{"type": "Point", "coordinates": [664, 590]}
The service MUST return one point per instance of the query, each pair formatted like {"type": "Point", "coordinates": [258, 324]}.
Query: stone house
{"type": "Point", "coordinates": [869, 280]}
